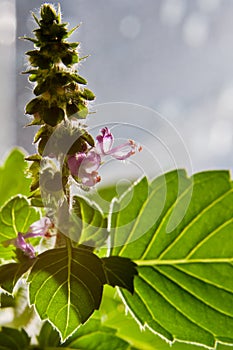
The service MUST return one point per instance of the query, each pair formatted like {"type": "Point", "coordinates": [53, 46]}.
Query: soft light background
{"type": "Point", "coordinates": [175, 56]}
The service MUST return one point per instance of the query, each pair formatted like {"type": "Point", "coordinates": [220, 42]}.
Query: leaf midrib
{"type": "Point", "coordinates": [152, 262]}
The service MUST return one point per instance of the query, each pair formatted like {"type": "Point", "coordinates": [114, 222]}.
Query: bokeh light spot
{"type": "Point", "coordinates": [221, 137]}
{"type": "Point", "coordinates": [195, 30]}
{"type": "Point", "coordinates": [130, 27]}
{"type": "Point", "coordinates": [172, 11]}
{"type": "Point", "coordinates": [209, 5]}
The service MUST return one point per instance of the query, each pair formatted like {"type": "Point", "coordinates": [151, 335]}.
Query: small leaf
{"type": "Point", "coordinates": [120, 272]}
{"type": "Point", "coordinates": [16, 216]}
{"type": "Point", "coordinates": [13, 339]}
{"type": "Point", "coordinates": [11, 273]}
{"type": "Point", "coordinates": [184, 289]}
{"type": "Point", "coordinates": [93, 335]}
{"type": "Point", "coordinates": [13, 182]}
{"type": "Point", "coordinates": [92, 225]}
{"type": "Point", "coordinates": [66, 286]}
{"type": "Point", "coordinates": [48, 336]}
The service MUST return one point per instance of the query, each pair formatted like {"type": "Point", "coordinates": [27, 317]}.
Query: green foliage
{"type": "Point", "coordinates": [11, 273]}
{"type": "Point", "coordinates": [91, 222]}
{"type": "Point", "coordinates": [13, 339]}
{"type": "Point", "coordinates": [66, 286]}
{"type": "Point", "coordinates": [15, 216]}
{"type": "Point", "coordinates": [184, 286]}
{"type": "Point", "coordinates": [93, 335]}
{"type": "Point", "coordinates": [120, 272]}
{"type": "Point", "coordinates": [12, 176]}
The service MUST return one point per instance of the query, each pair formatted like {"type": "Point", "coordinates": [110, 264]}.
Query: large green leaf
{"type": "Point", "coordinates": [12, 177]}
{"type": "Point", "coordinates": [184, 290]}
{"type": "Point", "coordinates": [15, 216]}
{"type": "Point", "coordinates": [66, 286]}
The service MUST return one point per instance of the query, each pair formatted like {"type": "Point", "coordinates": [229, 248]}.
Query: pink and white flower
{"type": "Point", "coordinates": [84, 166]}
{"type": "Point", "coordinates": [26, 248]}
{"type": "Point", "coordinates": [38, 228]}
{"type": "Point", "coordinates": [105, 142]}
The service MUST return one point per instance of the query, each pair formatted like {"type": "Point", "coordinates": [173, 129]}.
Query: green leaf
{"type": "Point", "coordinates": [91, 222]}
{"type": "Point", "coordinates": [66, 286]}
{"type": "Point", "coordinates": [103, 196]}
{"type": "Point", "coordinates": [120, 272]}
{"type": "Point", "coordinates": [13, 339]}
{"type": "Point", "coordinates": [16, 216]}
{"type": "Point", "coordinates": [10, 274]}
{"type": "Point", "coordinates": [113, 314]}
{"type": "Point", "coordinates": [48, 336]}
{"type": "Point", "coordinates": [184, 290]}
{"type": "Point", "coordinates": [93, 335]}
{"type": "Point", "coordinates": [13, 182]}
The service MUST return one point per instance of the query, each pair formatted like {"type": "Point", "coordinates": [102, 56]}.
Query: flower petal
{"type": "Point", "coordinates": [27, 248]}
{"type": "Point", "coordinates": [91, 162]}
{"type": "Point", "coordinates": [39, 228]}
{"type": "Point", "coordinates": [74, 163]}
{"type": "Point", "coordinates": [105, 141]}
{"type": "Point", "coordinates": [90, 179]}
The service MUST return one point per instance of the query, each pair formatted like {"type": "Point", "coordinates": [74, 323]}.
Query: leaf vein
{"type": "Point", "coordinates": [193, 221]}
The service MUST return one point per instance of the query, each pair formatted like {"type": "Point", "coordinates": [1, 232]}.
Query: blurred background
{"type": "Point", "coordinates": [173, 56]}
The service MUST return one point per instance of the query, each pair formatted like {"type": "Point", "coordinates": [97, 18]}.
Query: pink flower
{"type": "Point", "coordinates": [84, 166]}
{"type": "Point", "coordinates": [38, 228]}
{"type": "Point", "coordinates": [105, 142]}
{"type": "Point", "coordinates": [27, 248]}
